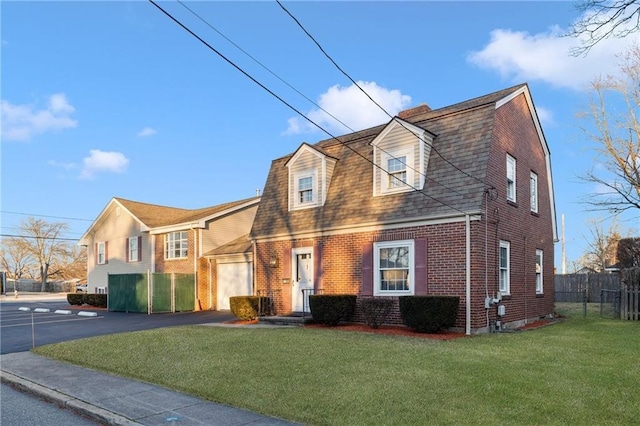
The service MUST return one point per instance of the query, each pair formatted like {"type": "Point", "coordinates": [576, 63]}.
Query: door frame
{"type": "Point", "coordinates": [294, 274]}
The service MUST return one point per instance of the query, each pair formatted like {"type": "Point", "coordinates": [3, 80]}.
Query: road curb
{"type": "Point", "coordinates": [65, 401]}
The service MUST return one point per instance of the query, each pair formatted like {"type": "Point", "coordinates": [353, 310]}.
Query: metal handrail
{"type": "Point", "coordinates": [306, 292]}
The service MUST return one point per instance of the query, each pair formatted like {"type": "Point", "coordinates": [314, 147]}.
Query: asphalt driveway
{"type": "Point", "coordinates": [22, 326]}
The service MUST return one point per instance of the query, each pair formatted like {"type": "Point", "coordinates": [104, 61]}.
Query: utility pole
{"type": "Point", "coordinates": [564, 257]}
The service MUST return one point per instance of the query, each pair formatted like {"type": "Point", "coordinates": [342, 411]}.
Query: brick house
{"type": "Point", "coordinates": [132, 237]}
{"type": "Point", "coordinates": [453, 201]}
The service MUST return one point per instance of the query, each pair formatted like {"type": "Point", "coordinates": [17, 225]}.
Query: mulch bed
{"type": "Point", "coordinates": [391, 331]}
{"type": "Point", "coordinates": [86, 308]}
{"type": "Point", "coordinates": [400, 330]}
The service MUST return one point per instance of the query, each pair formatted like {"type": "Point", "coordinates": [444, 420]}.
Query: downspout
{"type": "Point", "coordinates": [210, 286]}
{"type": "Point", "coordinates": [255, 268]}
{"type": "Point", "coordinates": [468, 273]}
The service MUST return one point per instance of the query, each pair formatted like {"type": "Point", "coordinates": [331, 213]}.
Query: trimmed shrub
{"type": "Point", "coordinates": [99, 300]}
{"type": "Point", "coordinates": [429, 314]}
{"type": "Point", "coordinates": [330, 309]}
{"type": "Point", "coordinates": [75, 298]}
{"type": "Point", "coordinates": [248, 307]}
{"type": "Point", "coordinates": [375, 311]}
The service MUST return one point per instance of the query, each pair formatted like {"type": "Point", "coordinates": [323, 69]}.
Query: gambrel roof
{"type": "Point", "coordinates": [454, 181]}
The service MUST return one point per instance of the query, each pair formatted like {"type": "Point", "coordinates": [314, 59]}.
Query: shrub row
{"type": "Point", "coordinates": [248, 307]}
{"type": "Point", "coordinates": [97, 300]}
{"type": "Point", "coordinates": [426, 314]}
{"type": "Point", "coordinates": [331, 309]}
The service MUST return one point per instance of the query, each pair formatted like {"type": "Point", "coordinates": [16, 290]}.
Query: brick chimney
{"type": "Point", "coordinates": [420, 109]}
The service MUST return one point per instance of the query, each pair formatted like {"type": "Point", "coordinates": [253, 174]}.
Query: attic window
{"type": "Point", "coordinates": [397, 170]}
{"type": "Point", "coordinates": [305, 189]}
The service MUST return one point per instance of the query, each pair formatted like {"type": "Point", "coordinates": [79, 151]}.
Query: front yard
{"type": "Point", "coordinates": [578, 371]}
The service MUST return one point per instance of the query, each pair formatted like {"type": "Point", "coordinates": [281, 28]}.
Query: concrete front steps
{"type": "Point", "coordinates": [292, 319]}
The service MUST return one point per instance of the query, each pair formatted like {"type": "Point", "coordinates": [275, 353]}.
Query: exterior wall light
{"type": "Point", "coordinates": [273, 261]}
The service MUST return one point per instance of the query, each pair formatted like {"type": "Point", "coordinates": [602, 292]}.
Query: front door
{"type": "Point", "coordinates": [302, 278]}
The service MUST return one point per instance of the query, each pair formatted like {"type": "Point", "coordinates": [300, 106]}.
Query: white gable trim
{"type": "Point", "coordinates": [524, 90]}
{"type": "Point", "coordinates": [85, 237]}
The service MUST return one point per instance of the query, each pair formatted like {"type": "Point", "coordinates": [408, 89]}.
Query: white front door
{"type": "Point", "coordinates": [302, 278]}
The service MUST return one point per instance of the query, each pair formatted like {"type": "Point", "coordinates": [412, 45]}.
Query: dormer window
{"type": "Point", "coordinates": [310, 172]}
{"type": "Point", "coordinates": [398, 165]}
{"type": "Point", "coordinates": [305, 190]}
{"type": "Point", "coordinates": [401, 155]}
{"type": "Point", "coordinates": [397, 169]}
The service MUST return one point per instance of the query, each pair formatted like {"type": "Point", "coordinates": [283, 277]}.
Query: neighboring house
{"type": "Point", "coordinates": [133, 237]}
{"type": "Point", "coordinates": [453, 201]}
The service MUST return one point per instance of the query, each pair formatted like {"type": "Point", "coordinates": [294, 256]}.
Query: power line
{"type": "Point", "coordinates": [366, 94]}
{"type": "Point", "coordinates": [41, 215]}
{"type": "Point", "coordinates": [246, 74]}
{"type": "Point", "coordinates": [311, 101]}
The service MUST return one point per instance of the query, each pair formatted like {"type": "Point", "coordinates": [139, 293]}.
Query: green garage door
{"type": "Point", "coordinates": [128, 293]}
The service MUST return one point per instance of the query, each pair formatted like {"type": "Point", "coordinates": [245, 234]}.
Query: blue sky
{"type": "Point", "coordinates": [104, 99]}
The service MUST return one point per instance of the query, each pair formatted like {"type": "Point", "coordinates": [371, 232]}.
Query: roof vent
{"type": "Point", "coordinates": [420, 109]}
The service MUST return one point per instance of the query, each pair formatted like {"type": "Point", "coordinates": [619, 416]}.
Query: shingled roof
{"type": "Point", "coordinates": [463, 137]}
{"type": "Point", "coordinates": [154, 216]}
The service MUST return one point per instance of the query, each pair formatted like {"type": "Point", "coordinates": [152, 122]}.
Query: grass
{"type": "Point", "coordinates": [583, 370]}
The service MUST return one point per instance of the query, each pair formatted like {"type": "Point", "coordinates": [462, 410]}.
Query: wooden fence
{"type": "Point", "coordinates": [630, 302]}
{"type": "Point", "coordinates": [572, 287]}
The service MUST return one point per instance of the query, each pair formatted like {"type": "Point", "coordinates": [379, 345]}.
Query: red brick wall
{"type": "Point", "coordinates": [186, 266]}
{"type": "Point", "coordinates": [514, 133]}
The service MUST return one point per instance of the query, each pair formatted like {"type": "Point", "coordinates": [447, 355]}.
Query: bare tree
{"type": "Point", "coordinates": [74, 263]}
{"type": "Point", "coordinates": [602, 245]}
{"type": "Point", "coordinates": [617, 137]}
{"type": "Point", "coordinates": [45, 244]}
{"type": "Point", "coordinates": [604, 19]}
{"type": "Point", "coordinates": [15, 257]}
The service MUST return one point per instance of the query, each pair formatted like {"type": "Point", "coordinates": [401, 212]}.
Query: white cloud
{"type": "Point", "coordinates": [546, 56]}
{"type": "Point", "coordinates": [147, 131]}
{"type": "Point", "coordinates": [545, 115]}
{"type": "Point", "coordinates": [61, 165]}
{"type": "Point", "coordinates": [351, 107]}
{"type": "Point", "coordinates": [103, 161]}
{"type": "Point", "coordinates": [22, 122]}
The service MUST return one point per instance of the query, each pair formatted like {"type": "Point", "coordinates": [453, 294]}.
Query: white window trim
{"type": "Point", "coordinates": [533, 188]}
{"type": "Point", "coordinates": [385, 188]}
{"type": "Point", "coordinates": [506, 289]}
{"type": "Point", "coordinates": [313, 174]}
{"type": "Point", "coordinates": [101, 254]}
{"type": "Point", "coordinates": [511, 165]}
{"type": "Point", "coordinates": [131, 257]}
{"type": "Point", "coordinates": [171, 251]}
{"type": "Point", "coordinates": [376, 268]}
{"type": "Point", "coordinates": [539, 275]}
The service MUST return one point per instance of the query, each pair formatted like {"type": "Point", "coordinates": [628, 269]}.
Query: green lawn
{"type": "Point", "coordinates": [579, 371]}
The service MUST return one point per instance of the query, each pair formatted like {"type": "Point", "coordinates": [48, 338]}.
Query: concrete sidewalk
{"type": "Point", "coordinates": [113, 400]}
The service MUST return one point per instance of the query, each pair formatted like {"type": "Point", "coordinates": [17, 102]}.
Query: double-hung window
{"type": "Point", "coordinates": [394, 266]}
{"type": "Point", "coordinates": [533, 184]}
{"type": "Point", "coordinates": [511, 178]}
{"type": "Point", "coordinates": [305, 190]}
{"type": "Point", "coordinates": [539, 289]}
{"type": "Point", "coordinates": [397, 171]}
{"type": "Point", "coordinates": [175, 245]}
{"type": "Point", "coordinates": [101, 253]}
{"type": "Point", "coordinates": [504, 267]}
{"type": "Point", "coordinates": [133, 249]}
